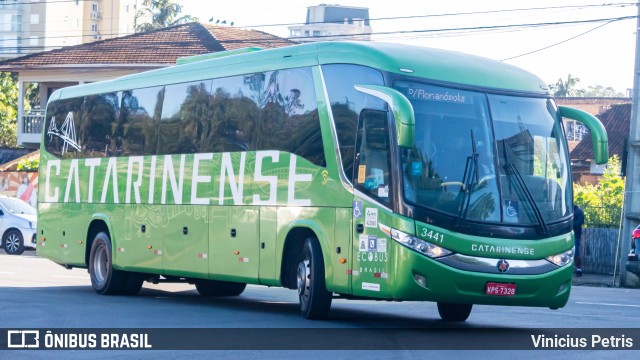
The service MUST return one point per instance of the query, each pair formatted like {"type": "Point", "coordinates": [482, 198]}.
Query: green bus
{"type": "Point", "coordinates": [356, 170]}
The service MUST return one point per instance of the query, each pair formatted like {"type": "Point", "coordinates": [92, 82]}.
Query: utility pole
{"type": "Point", "coordinates": [631, 207]}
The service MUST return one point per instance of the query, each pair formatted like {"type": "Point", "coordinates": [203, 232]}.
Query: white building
{"type": "Point", "coordinates": [333, 22]}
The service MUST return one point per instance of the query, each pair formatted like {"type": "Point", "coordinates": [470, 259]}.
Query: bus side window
{"type": "Point", "coordinates": [139, 119]}
{"type": "Point", "coordinates": [373, 156]}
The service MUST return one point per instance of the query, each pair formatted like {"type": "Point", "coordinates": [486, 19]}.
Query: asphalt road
{"type": "Point", "coordinates": [36, 293]}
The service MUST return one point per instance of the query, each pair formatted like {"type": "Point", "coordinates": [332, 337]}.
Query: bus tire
{"type": "Point", "coordinates": [219, 288]}
{"type": "Point", "coordinates": [133, 284]}
{"type": "Point", "coordinates": [105, 280]}
{"type": "Point", "coordinates": [451, 312]}
{"type": "Point", "coordinates": [13, 242]}
{"type": "Point", "coordinates": [315, 300]}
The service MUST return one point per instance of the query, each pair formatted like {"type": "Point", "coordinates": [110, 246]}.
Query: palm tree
{"type": "Point", "coordinates": [565, 88]}
{"type": "Point", "coordinates": [163, 13]}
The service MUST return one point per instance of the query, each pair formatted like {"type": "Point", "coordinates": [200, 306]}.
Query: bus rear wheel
{"type": "Point", "coordinates": [451, 312]}
{"type": "Point", "coordinates": [315, 300]}
{"type": "Point", "coordinates": [219, 288]}
{"type": "Point", "coordinates": [105, 280]}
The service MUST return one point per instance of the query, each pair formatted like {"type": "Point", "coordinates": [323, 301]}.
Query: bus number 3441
{"type": "Point", "coordinates": [433, 235]}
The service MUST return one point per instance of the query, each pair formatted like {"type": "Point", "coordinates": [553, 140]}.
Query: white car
{"type": "Point", "coordinates": [18, 222]}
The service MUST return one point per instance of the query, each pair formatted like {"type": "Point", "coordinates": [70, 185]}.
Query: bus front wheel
{"type": "Point", "coordinates": [454, 312]}
{"type": "Point", "coordinates": [315, 300]}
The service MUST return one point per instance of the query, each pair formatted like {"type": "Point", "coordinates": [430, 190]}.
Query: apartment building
{"type": "Point", "coordinates": [333, 22]}
{"type": "Point", "coordinates": [31, 26]}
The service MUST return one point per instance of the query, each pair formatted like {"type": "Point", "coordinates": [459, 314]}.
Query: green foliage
{"type": "Point", "coordinates": [602, 203]}
{"type": "Point", "coordinates": [161, 13]}
{"type": "Point", "coordinates": [8, 110]}
{"type": "Point", "coordinates": [565, 88]}
{"type": "Point", "coordinates": [29, 164]}
{"type": "Point", "coordinates": [599, 91]}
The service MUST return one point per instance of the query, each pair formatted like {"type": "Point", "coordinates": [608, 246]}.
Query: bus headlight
{"type": "Point", "coordinates": [419, 245]}
{"type": "Point", "coordinates": [563, 258]}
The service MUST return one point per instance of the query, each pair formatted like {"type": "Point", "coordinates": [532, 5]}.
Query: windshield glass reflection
{"type": "Point", "coordinates": [458, 168]}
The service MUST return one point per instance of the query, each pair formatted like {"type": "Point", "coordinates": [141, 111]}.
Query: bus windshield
{"type": "Point", "coordinates": [485, 158]}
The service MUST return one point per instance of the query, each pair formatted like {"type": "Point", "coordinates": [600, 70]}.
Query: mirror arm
{"type": "Point", "coordinates": [599, 139]}
{"type": "Point", "coordinates": [402, 109]}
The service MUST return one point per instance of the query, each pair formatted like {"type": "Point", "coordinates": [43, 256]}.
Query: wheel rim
{"type": "Point", "coordinates": [304, 274]}
{"type": "Point", "coordinates": [100, 264]}
{"type": "Point", "coordinates": [13, 243]}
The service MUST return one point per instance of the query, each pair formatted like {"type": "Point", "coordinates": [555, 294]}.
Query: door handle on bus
{"type": "Point", "coordinates": [360, 228]}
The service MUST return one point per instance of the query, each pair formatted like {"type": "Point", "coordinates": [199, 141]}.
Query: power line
{"type": "Point", "coordinates": [397, 32]}
{"type": "Point", "coordinates": [7, 3]}
{"type": "Point", "coordinates": [462, 13]}
{"type": "Point", "coordinates": [558, 43]}
{"type": "Point", "coordinates": [621, 4]}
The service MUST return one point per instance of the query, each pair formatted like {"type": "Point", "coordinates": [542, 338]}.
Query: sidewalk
{"type": "Point", "coordinates": [587, 279]}
{"type": "Point", "coordinates": [603, 280]}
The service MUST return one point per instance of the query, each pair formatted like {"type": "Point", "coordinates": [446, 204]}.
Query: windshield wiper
{"type": "Point", "coordinates": [536, 211]}
{"type": "Point", "coordinates": [469, 179]}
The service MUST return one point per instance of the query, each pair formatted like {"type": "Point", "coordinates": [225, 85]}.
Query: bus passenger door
{"type": "Point", "coordinates": [234, 244]}
{"type": "Point", "coordinates": [373, 194]}
{"type": "Point", "coordinates": [185, 237]}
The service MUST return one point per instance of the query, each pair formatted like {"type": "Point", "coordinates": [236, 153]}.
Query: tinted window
{"type": "Point", "coordinates": [289, 114]}
{"type": "Point", "coordinates": [136, 133]}
{"type": "Point", "coordinates": [62, 125]}
{"type": "Point", "coordinates": [234, 114]}
{"type": "Point", "coordinates": [373, 156]}
{"type": "Point", "coordinates": [185, 123]}
{"type": "Point", "coordinates": [100, 114]}
{"type": "Point", "coordinates": [347, 103]}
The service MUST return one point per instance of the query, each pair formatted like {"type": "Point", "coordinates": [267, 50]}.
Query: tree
{"type": "Point", "coordinates": [8, 110]}
{"type": "Point", "coordinates": [564, 88]}
{"type": "Point", "coordinates": [162, 13]}
{"type": "Point", "coordinates": [600, 91]}
{"type": "Point", "coordinates": [602, 203]}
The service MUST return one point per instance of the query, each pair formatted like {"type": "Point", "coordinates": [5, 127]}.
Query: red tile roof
{"type": "Point", "coordinates": [162, 46]}
{"type": "Point", "coordinates": [617, 121]}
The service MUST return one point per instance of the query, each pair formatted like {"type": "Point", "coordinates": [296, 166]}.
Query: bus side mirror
{"type": "Point", "coordinates": [402, 111]}
{"type": "Point", "coordinates": [599, 137]}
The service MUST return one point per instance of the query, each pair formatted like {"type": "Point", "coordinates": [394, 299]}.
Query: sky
{"type": "Point", "coordinates": [597, 53]}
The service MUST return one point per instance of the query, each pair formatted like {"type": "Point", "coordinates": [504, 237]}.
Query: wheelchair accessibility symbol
{"type": "Point", "coordinates": [357, 209]}
{"type": "Point", "coordinates": [511, 208]}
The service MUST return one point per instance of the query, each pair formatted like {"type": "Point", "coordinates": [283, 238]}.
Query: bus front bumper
{"type": "Point", "coordinates": [435, 280]}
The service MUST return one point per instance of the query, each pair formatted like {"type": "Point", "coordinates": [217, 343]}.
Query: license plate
{"type": "Point", "coordinates": [500, 289]}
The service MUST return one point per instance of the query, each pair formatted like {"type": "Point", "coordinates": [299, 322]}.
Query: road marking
{"type": "Point", "coordinates": [606, 304]}
{"type": "Point", "coordinates": [71, 277]}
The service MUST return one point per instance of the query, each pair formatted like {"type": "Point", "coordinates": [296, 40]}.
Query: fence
{"type": "Point", "coordinates": [598, 250]}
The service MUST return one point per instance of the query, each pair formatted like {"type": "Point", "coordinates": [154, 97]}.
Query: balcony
{"type": "Point", "coordinates": [30, 130]}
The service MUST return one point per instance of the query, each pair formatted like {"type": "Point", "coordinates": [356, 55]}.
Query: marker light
{"type": "Point", "coordinates": [421, 246]}
{"type": "Point", "coordinates": [563, 258]}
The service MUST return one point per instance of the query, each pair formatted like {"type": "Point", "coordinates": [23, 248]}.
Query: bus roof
{"type": "Point", "coordinates": [438, 65]}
